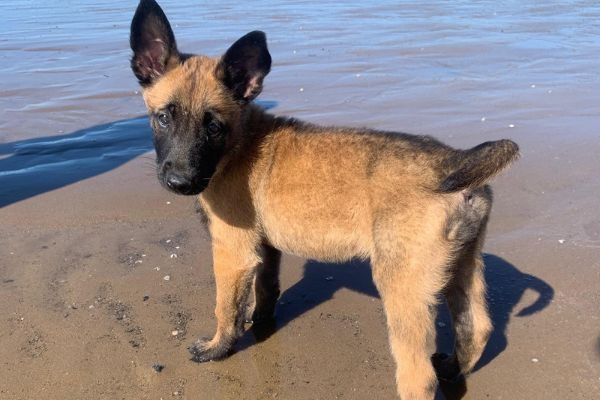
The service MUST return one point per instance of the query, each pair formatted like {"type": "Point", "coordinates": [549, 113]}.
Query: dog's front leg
{"type": "Point", "coordinates": [234, 269]}
{"type": "Point", "coordinates": [266, 286]}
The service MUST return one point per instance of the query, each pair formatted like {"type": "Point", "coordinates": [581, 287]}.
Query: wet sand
{"type": "Point", "coordinates": [88, 236]}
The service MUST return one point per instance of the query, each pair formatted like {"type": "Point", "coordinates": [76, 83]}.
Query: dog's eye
{"type": "Point", "coordinates": [163, 120]}
{"type": "Point", "coordinates": [213, 127]}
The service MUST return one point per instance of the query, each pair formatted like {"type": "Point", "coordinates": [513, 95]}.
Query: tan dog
{"type": "Point", "coordinates": [416, 208]}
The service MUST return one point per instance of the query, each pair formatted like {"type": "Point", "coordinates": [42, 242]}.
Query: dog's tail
{"type": "Point", "coordinates": [476, 166]}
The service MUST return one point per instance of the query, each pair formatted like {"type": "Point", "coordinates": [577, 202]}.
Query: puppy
{"type": "Point", "coordinates": [413, 206]}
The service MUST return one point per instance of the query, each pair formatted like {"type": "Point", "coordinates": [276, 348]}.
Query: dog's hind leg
{"type": "Point", "coordinates": [465, 292]}
{"type": "Point", "coordinates": [465, 296]}
{"type": "Point", "coordinates": [409, 286]}
{"type": "Point", "coordinates": [266, 285]}
{"type": "Point", "coordinates": [234, 269]}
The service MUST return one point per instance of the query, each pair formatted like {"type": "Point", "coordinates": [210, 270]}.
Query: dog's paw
{"type": "Point", "coordinates": [203, 350]}
{"type": "Point", "coordinates": [446, 367]}
{"type": "Point", "coordinates": [263, 329]}
{"type": "Point", "coordinates": [263, 316]}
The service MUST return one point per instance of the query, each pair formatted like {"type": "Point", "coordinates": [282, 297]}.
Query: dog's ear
{"type": "Point", "coordinates": [153, 43]}
{"type": "Point", "coordinates": [245, 65]}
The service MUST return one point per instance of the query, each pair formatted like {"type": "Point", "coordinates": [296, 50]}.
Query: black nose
{"type": "Point", "coordinates": [178, 183]}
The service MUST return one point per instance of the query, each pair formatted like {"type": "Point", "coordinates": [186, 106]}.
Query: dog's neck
{"type": "Point", "coordinates": [259, 124]}
{"type": "Point", "coordinates": [258, 128]}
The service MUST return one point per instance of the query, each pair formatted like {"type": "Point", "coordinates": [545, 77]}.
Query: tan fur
{"type": "Point", "coordinates": [333, 194]}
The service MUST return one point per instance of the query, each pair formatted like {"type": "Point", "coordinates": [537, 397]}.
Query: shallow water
{"type": "Point", "coordinates": [462, 70]}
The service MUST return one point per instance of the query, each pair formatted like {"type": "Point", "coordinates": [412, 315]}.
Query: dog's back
{"type": "Point", "coordinates": [319, 192]}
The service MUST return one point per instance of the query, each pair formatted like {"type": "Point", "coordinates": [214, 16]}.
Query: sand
{"type": "Point", "coordinates": [105, 278]}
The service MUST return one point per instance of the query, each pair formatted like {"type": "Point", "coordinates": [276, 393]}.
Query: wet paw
{"type": "Point", "coordinates": [204, 350]}
{"type": "Point", "coordinates": [446, 367]}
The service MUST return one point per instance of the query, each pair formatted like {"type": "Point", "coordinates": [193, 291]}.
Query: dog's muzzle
{"type": "Point", "coordinates": [180, 183]}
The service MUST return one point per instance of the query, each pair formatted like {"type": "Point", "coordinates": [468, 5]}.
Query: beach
{"type": "Point", "coordinates": [106, 278]}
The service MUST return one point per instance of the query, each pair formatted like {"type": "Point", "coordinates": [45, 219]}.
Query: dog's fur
{"type": "Point", "coordinates": [416, 208]}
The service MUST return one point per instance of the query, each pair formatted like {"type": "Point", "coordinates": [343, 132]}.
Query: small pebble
{"type": "Point", "coordinates": [511, 126]}
{"type": "Point", "coordinates": [174, 333]}
{"type": "Point", "coordinates": [168, 202]}
{"type": "Point", "coordinates": [168, 241]}
{"type": "Point", "coordinates": [302, 89]}
{"type": "Point", "coordinates": [158, 367]}
{"type": "Point", "coordinates": [534, 360]}
{"type": "Point", "coordinates": [167, 278]}
{"type": "Point", "coordinates": [482, 119]}
{"type": "Point", "coordinates": [561, 241]}
{"type": "Point", "coordinates": [173, 255]}
{"type": "Point", "coordinates": [146, 298]}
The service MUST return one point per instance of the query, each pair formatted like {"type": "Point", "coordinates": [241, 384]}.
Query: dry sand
{"type": "Point", "coordinates": [88, 239]}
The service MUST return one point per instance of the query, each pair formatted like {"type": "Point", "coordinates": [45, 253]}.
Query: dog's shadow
{"type": "Point", "coordinates": [506, 285]}
{"type": "Point", "coordinates": [31, 167]}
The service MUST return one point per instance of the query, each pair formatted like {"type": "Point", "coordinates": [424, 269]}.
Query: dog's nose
{"type": "Point", "coordinates": [177, 183]}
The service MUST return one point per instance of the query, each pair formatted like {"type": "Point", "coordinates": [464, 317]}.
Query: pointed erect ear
{"type": "Point", "coordinates": [245, 65]}
{"type": "Point", "coordinates": [152, 42]}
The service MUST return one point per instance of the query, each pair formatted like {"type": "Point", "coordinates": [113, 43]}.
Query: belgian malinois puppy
{"type": "Point", "coordinates": [416, 208]}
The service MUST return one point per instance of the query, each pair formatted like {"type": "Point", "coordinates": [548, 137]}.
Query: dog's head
{"type": "Point", "coordinates": [195, 103]}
